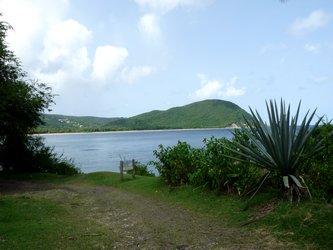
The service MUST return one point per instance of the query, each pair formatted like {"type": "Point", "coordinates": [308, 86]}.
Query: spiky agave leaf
{"type": "Point", "coordinates": [281, 145]}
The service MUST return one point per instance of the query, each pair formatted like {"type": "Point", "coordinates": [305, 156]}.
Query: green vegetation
{"type": "Point", "coordinates": [39, 223]}
{"type": "Point", "coordinates": [309, 223]}
{"type": "Point", "coordinates": [39, 158]}
{"type": "Point", "coordinates": [21, 103]}
{"type": "Point", "coordinates": [210, 167]}
{"type": "Point", "coordinates": [204, 114]}
{"type": "Point", "coordinates": [64, 123]}
{"type": "Point", "coordinates": [318, 170]}
{"type": "Point", "coordinates": [280, 146]}
{"type": "Point", "coordinates": [42, 221]}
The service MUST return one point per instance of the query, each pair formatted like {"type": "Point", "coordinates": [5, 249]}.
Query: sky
{"type": "Point", "coordinates": [120, 58]}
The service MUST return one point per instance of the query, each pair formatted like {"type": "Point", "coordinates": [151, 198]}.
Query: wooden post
{"type": "Point", "coordinates": [133, 166]}
{"type": "Point", "coordinates": [121, 170]}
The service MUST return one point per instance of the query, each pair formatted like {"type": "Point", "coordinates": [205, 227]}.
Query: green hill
{"type": "Point", "coordinates": [203, 114]}
{"type": "Point", "coordinates": [64, 123]}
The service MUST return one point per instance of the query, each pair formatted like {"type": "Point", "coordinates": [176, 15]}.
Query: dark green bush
{"type": "Point", "coordinates": [319, 180]}
{"type": "Point", "coordinates": [215, 171]}
{"type": "Point", "coordinates": [39, 158]}
{"type": "Point", "coordinates": [45, 160]}
{"type": "Point", "coordinates": [176, 164]}
{"type": "Point", "coordinates": [211, 166]}
{"type": "Point", "coordinates": [219, 171]}
{"type": "Point", "coordinates": [318, 170]}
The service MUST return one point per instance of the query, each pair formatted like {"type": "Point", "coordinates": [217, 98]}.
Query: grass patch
{"type": "Point", "coordinates": [37, 223]}
{"type": "Point", "coordinates": [308, 223]}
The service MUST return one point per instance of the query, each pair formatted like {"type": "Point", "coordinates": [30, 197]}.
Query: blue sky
{"type": "Point", "coordinates": [121, 58]}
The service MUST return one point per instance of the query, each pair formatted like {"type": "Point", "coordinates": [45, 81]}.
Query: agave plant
{"type": "Point", "coordinates": [279, 146]}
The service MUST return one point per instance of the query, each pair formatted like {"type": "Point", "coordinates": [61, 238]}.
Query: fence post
{"type": "Point", "coordinates": [121, 170]}
{"type": "Point", "coordinates": [133, 165]}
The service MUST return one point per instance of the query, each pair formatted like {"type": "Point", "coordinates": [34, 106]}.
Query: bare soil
{"type": "Point", "coordinates": [137, 222]}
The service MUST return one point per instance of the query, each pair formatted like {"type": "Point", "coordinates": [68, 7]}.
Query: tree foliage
{"type": "Point", "coordinates": [21, 103]}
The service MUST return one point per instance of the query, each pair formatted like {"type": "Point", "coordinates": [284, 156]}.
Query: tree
{"type": "Point", "coordinates": [21, 103]}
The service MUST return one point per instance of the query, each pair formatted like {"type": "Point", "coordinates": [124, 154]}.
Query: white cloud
{"type": "Point", "coordinates": [64, 56]}
{"type": "Point", "coordinates": [65, 46]}
{"type": "Point", "coordinates": [312, 47]}
{"type": "Point", "coordinates": [215, 88]}
{"type": "Point", "coordinates": [163, 6]}
{"type": "Point", "coordinates": [56, 49]}
{"type": "Point", "coordinates": [133, 74]}
{"type": "Point", "coordinates": [50, 47]}
{"type": "Point", "coordinates": [30, 20]}
{"type": "Point", "coordinates": [107, 61]}
{"type": "Point", "coordinates": [316, 20]}
{"type": "Point", "coordinates": [154, 9]}
{"type": "Point", "coordinates": [210, 89]}
{"type": "Point", "coordinates": [68, 33]}
{"type": "Point", "coordinates": [148, 25]}
{"type": "Point", "coordinates": [232, 91]}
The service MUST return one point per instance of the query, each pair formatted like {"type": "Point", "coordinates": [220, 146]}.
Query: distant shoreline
{"type": "Point", "coordinates": [134, 131]}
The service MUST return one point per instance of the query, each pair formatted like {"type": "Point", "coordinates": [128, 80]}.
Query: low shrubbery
{"type": "Point", "coordinates": [318, 170]}
{"type": "Point", "coordinates": [177, 163]}
{"type": "Point", "coordinates": [45, 160]}
{"type": "Point", "coordinates": [220, 172]}
{"type": "Point", "coordinates": [209, 166]}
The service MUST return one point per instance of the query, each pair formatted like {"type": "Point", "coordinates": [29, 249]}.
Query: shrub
{"type": "Point", "coordinates": [175, 164]}
{"type": "Point", "coordinates": [40, 158]}
{"type": "Point", "coordinates": [319, 180]}
{"type": "Point", "coordinates": [219, 171]}
{"type": "Point", "coordinates": [212, 170]}
{"type": "Point", "coordinates": [318, 170]}
{"type": "Point", "coordinates": [210, 166]}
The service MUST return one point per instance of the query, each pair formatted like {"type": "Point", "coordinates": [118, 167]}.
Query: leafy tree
{"type": "Point", "coordinates": [21, 104]}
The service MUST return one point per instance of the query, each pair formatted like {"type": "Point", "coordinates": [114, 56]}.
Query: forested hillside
{"type": "Point", "coordinates": [203, 114]}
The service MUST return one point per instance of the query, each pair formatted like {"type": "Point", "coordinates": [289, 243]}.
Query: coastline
{"type": "Point", "coordinates": [135, 131]}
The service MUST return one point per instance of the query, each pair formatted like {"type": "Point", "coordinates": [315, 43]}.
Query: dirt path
{"type": "Point", "coordinates": [136, 222]}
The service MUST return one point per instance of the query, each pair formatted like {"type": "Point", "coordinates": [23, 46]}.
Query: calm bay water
{"type": "Point", "coordinates": [103, 151]}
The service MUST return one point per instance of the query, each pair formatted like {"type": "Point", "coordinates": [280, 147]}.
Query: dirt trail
{"type": "Point", "coordinates": [137, 222]}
